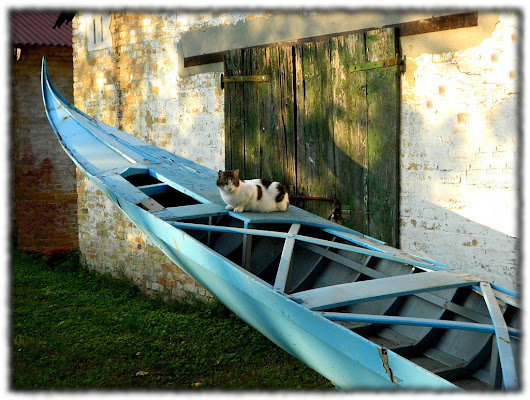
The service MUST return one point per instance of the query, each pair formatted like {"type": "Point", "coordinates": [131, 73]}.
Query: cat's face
{"type": "Point", "coordinates": [228, 180]}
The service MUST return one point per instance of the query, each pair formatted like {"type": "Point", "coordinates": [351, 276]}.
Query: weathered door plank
{"type": "Point", "coordinates": [279, 150]}
{"type": "Point", "coordinates": [234, 134]}
{"type": "Point", "coordinates": [350, 123]}
{"type": "Point", "coordinates": [253, 97]}
{"type": "Point", "coordinates": [315, 145]}
{"type": "Point", "coordinates": [383, 99]}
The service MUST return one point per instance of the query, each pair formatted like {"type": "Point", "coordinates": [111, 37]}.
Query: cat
{"type": "Point", "coordinates": [257, 195]}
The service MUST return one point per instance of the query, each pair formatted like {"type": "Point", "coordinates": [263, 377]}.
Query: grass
{"type": "Point", "coordinates": [76, 329]}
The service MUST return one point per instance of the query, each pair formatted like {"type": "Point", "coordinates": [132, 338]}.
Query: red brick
{"type": "Point", "coordinates": [45, 192]}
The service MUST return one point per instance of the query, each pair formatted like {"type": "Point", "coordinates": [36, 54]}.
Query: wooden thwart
{"type": "Point", "coordinates": [150, 205]}
{"type": "Point", "coordinates": [286, 260]}
{"type": "Point", "coordinates": [191, 212]}
{"type": "Point", "coordinates": [376, 289]}
{"type": "Point", "coordinates": [502, 336]}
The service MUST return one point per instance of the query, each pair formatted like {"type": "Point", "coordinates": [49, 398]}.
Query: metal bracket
{"type": "Point", "coordinates": [391, 62]}
{"type": "Point", "coordinates": [244, 78]}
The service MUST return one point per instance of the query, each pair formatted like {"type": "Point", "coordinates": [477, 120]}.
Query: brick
{"type": "Point", "coordinates": [45, 191]}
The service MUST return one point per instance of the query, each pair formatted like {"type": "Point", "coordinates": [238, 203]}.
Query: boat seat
{"type": "Point", "coordinates": [354, 292]}
{"type": "Point", "coordinates": [191, 212]}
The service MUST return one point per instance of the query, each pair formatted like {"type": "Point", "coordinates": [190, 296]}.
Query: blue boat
{"type": "Point", "coordinates": [361, 313]}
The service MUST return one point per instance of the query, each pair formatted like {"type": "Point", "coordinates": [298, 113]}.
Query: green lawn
{"type": "Point", "coordinates": [75, 329]}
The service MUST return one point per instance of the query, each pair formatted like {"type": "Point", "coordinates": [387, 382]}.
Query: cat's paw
{"type": "Point", "coordinates": [239, 209]}
{"type": "Point", "coordinates": [229, 208]}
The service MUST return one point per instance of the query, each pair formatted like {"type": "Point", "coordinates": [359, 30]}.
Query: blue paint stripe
{"type": "Point", "coordinates": [431, 261]}
{"type": "Point", "coordinates": [411, 321]}
{"type": "Point", "coordinates": [348, 237]}
{"type": "Point", "coordinates": [505, 291]}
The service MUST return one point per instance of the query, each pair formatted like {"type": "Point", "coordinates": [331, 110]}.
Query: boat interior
{"type": "Point", "coordinates": [426, 312]}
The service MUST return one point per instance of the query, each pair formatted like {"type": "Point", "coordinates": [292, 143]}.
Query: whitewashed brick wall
{"type": "Point", "coordinates": [459, 148]}
{"type": "Point", "coordinates": [135, 86]}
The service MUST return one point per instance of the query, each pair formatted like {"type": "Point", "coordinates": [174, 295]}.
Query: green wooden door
{"type": "Point", "coordinates": [259, 115]}
{"type": "Point", "coordinates": [324, 123]}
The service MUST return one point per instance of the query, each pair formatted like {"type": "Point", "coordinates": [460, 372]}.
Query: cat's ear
{"type": "Point", "coordinates": [236, 173]}
{"type": "Point", "coordinates": [220, 173]}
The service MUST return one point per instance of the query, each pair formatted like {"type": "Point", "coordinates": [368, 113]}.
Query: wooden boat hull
{"type": "Point", "coordinates": [290, 308]}
{"type": "Point", "coordinates": [314, 340]}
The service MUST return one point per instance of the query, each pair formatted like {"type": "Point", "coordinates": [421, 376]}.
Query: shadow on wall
{"type": "Point", "coordinates": [444, 236]}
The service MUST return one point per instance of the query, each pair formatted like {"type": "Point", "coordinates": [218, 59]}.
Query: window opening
{"type": "Point", "coordinates": [98, 31]}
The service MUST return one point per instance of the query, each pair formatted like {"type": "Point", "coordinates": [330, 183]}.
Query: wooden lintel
{"type": "Point", "coordinates": [435, 24]}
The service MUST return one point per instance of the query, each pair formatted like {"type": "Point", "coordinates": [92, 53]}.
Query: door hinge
{"type": "Point", "coordinates": [243, 78]}
{"type": "Point", "coordinates": [390, 62]}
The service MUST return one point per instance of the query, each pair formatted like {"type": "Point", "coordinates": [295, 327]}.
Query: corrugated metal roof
{"type": "Point", "coordinates": [36, 28]}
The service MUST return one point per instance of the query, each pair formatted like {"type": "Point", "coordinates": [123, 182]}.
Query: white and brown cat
{"type": "Point", "coordinates": [257, 195]}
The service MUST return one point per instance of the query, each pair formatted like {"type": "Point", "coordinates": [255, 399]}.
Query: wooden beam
{"type": "Point", "coordinates": [376, 289]}
{"type": "Point", "coordinates": [502, 336]}
{"type": "Point", "coordinates": [435, 24]}
{"type": "Point", "coordinates": [413, 321]}
{"type": "Point", "coordinates": [193, 211]}
{"type": "Point", "coordinates": [285, 260]}
{"type": "Point", "coordinates": [363, 269]}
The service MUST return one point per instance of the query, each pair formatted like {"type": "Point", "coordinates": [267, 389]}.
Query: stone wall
{"type": "Point", "coordinates": [135, 85]}
{"type": "Point", "coordinates": [459, 142]}
{"type": "Point", "coordinates": [44, 200]}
